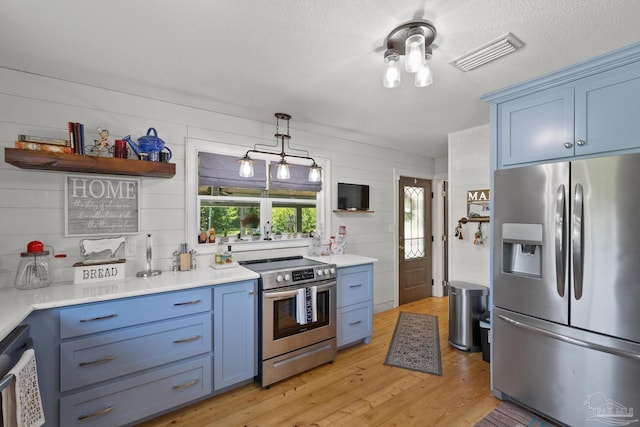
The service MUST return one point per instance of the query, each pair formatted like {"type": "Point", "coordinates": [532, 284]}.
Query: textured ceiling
{"type": "Point", "coordinates": [320, 61]}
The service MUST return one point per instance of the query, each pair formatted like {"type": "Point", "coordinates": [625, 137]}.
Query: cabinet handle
{"type": "Point", "coordinates": [93, 319]}
{"type": "Point", "coordinates": [355, 323]}
{"type": "Point", "coordinates": [95, 362]}
{"type": "Point", "coordinates": [185, 385]}
{"type": "Point", "coordinates": [359, 285]}
{"type": "Point", "coordinates": [195, 301]}
{"type": "Point", "coordinates": [251, 292]}
{"type": "Point", "coordinates": [580, 143]}
{"type": "Point", "coordinates": [95, 414]}
{"type": "Point", "coordinates": [568, 145]}
{"type": "Point", "coordinates": [184, 340]}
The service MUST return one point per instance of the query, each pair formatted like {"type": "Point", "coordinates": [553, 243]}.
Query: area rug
{"type": "Point", "coordinates": [416, 344]}
{"type": "Point", "coordinates": [511, 415]}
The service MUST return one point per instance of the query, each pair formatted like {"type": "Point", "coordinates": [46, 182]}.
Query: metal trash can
{"type": "Point", "coordinates": [467, 301]}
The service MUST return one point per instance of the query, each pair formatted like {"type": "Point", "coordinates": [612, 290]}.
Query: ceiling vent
{"type": "Point", "coordinates": [491, 51]}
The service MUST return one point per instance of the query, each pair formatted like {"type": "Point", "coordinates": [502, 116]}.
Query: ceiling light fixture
{"type": "Point", "coordinates": [503, 45]}
{"type": "Point", "coordinates": [413, 40]}
{"type": "Point", "coordinates": [282, 171]}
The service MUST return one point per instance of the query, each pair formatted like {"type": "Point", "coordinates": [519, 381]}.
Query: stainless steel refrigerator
{"type": "Point", "coordinates": [566, 289]}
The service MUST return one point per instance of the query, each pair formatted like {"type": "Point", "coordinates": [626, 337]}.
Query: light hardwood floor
{"type": "Point", "coordinates": [358, 389]}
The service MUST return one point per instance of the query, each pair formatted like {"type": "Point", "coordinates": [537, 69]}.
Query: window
{"type": "Point", "coordinates": [259, 209]}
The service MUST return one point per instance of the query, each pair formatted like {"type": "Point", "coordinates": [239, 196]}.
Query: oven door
{"type": "Point", "coordinates": [281, 333]}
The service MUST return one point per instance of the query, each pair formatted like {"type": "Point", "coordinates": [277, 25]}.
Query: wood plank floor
{"type": "Point", "coordinates": [358, 389]}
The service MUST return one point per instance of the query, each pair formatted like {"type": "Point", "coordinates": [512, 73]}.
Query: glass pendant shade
{"type": "Point", "coordinates": [315, 173]}
{"type": "Point", "coordinates": [414, 52]}
{"type": "Point", "coordinates": [424, 76]}
{"type": "Point", "coordinates": [246, 167]}
{"type": "Point", "coordinates": [391, 77]}
{"type": "Point", "coordinates": [283, 170]}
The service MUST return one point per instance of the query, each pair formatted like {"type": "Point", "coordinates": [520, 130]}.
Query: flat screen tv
{"type": "Point", "coordinates": [353, 197]}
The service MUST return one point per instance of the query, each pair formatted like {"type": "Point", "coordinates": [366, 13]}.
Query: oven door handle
{"type": "Point", "coordinates": [288, 294]}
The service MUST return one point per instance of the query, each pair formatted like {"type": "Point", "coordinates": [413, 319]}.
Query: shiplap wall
{"type": "Point", "coordinates": [32, 202]}
{"type": "Point", "coordinates": [469, 169]}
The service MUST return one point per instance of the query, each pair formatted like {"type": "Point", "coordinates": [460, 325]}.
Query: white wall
{"type": "Point", "coordinates": [469, 169]}
{"type": "Point", "coordinates": [32, 202]}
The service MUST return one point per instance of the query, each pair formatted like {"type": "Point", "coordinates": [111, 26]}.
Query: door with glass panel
{"type": "Point", "coordinates": [414, 239]}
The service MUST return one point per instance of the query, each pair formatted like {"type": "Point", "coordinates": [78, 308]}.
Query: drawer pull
{"type": "Point", "coordinates": [356, 286]}
{"type": "Point", "coordinates": [95, 362]}
{"type": "Point", "coordinates": [95, 414]}
{"type": "Point", "coordinates": [92, 319]}
{"type": "Point", "coordinates": [195, 301]}
{"type": "Point", "coordinates": [355, 323]}
{"type": "Point", "coordinates": [184, 340]}
{"type": "Point", "coordinates": [185, 385]}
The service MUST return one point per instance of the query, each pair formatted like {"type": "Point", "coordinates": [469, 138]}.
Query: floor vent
{"type": "Point", "coordinates": [491, 51]}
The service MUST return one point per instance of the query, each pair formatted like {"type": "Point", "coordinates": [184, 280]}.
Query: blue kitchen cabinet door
{"type": "Point", "coordinates": [234, 333]}
{"type": "Point", "coordinates": [354, 305]}
{"type": "Point", "coordinates": [608, 111]}
{"type": "Point", "coordinates": [536, 127]}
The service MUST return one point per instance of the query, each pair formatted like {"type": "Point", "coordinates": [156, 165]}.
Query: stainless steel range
{"type": "Point", "coordinates": [297, 312]}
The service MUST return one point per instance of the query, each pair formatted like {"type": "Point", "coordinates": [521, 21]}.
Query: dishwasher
{"type": "Point", "coordinates": [11, 349]}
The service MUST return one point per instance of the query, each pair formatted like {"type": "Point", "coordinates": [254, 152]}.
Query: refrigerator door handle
{"type": "Point", "coordinates": [570, 340]}
{"type": "Point", "coordinates": [560, 240]}
{"type": "Point", "coordinates": [578, 229]}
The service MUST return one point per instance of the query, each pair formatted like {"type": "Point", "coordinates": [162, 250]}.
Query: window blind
{"type": "Point", "coordinates": [219, 170]}
{"type": "Point", "coordinates": [299, 179]}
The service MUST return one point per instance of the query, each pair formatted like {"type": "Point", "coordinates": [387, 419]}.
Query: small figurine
{"type": "Point", "coordinates": [267, 231]}
{"type": "Point", "coordinates": [101, 146]}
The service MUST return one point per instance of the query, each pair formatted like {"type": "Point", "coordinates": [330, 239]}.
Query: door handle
{"type": "Point", "coordinates": [578, 228]}
{"type": "Point", "coordinates": [570, 340]}
{"type": "Point", "coordinates": [560, 240]}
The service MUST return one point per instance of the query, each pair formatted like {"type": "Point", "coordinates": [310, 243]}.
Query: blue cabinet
{"type": "Point", "coordinates": [235, 334]}
{"type": "Point", "coordinates": [536, 127]}
{"type": "Point", "coordinates": [116, 362]}
{"type": "Point", "coordinates": [608, 111]}
{"type": "Point", "coordinates": [354, 303]}
{"type": "Point", "coordinates": [590, 109]}
{"type": "Point", "coordinates": [114, 355]}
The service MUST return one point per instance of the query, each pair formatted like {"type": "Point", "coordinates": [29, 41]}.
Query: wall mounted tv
{"type": "Point", "coordinates": [353, 197]}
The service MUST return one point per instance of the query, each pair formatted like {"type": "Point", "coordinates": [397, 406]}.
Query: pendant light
{"type": "Point", "coordinates": [282, 171]}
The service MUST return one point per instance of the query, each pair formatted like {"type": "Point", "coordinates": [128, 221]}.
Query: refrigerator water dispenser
{"type": "Point", "coordinates": [522, 249]}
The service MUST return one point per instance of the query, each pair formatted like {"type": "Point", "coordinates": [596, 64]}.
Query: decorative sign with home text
{"type": "Point", "coordinates": [99, 205]}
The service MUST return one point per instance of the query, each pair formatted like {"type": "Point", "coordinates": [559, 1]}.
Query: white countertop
{"type": "Point", "coordinates": [16, 305]}
{"type": "Point", "coordinates": [344, 260]}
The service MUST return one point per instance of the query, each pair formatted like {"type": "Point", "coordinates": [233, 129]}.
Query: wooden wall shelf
{"type": "Point", "coordinates": [350, 211]}
{"type": "Point", "coordinates": [60, 162]}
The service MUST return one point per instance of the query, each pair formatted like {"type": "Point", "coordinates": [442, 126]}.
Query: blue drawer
{"type": "Point", "coordinates": [101, 357]}
{"type": "Point", "coordinates": [354, 285]}
{"type": "Point", "coordinates": [103, 316]}
{"type": "Point", "coordinates": [137, 397]}
{"type": "Point", "coordinates": [354, 323]}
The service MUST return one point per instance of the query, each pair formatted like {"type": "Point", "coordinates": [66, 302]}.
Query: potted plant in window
{"type": "Point", "coordinates": [251, 221]}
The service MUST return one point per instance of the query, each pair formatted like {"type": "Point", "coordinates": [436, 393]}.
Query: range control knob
{"type": "Point", "coordinates": [287, 277]}
{"type": "Point", "coordinates": [279, 278]}
{"type": "Point", "coordinates": [326, 271]}
{"type": "Point", "coordinates": [319, 272]}
{"type": "Point", "coordinates": [333, 270]}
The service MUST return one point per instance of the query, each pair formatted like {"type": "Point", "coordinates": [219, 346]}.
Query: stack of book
{"type": "Point", "coordinates": [76, 134]}
{"type": "Point", "coordinates": [43, 143]}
